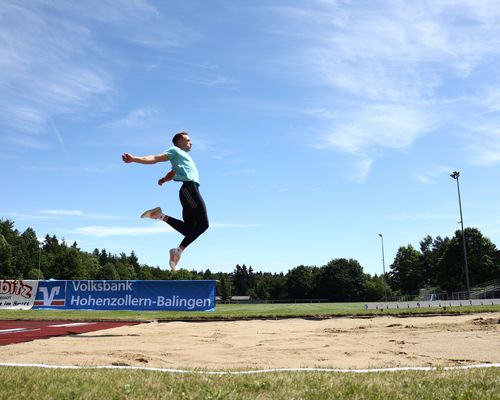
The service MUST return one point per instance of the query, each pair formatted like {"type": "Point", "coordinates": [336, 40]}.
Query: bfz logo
{"type": "Point", "coordinates": [51, 294]}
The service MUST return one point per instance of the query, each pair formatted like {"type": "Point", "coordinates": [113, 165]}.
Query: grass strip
{"type": "Point", "coordinates": [33, 383]}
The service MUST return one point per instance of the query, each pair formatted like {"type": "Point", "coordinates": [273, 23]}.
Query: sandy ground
{"type": "Point", "coordinates": [346, 342]}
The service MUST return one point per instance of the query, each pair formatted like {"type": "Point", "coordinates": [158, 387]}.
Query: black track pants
{"type": "Point", "coordinates": [194, 214]}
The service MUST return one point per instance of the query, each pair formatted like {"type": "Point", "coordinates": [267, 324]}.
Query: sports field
{"type": "Point", "coordinates": [309, 337]}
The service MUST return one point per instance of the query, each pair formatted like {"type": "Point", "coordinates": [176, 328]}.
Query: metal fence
{"type": "Point", "coordinates": [487, 290]}
{"type": "Point", "coordinates": [256, 301]}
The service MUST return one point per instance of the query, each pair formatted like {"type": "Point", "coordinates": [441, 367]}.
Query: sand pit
{"type": "Point", "coordinates": [354, 343]}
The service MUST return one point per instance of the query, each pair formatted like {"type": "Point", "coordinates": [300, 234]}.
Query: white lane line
{"type": "Point", "coordinates": [261, 371]}
{"type": "Point", "coordinates": [11, 330]}
{"type": "Point", "coordinates": [72, 324]}
{"type": "Point", "coordinates": [17, 330]}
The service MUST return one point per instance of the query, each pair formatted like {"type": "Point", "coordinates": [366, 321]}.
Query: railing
{"type": "Point", "coordinates": [487, 290]}
{"type": "Point", "coordinates": [257, 301]}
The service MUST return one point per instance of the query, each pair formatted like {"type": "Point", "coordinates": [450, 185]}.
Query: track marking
{"type": "Point", "coordinates": [13, 332]}
{"type": "Point", "coordinates": [17, 330]}
{"type": "Point", "coordinates": [72, 324]}
{"type": "Point", "coordinates": [260, 371]}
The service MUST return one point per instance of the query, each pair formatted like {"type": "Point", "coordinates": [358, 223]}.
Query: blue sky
{"type": "Point", "coordinates": [316, 125]}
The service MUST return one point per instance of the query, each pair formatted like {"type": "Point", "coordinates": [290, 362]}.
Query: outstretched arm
{"type": "Point", "coordinates": [153, 159]}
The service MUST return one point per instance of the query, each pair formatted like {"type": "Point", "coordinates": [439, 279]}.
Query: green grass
{"type": "Point", "coordinates": [239, 311]}
{"type": "Point", "coordinates": [32, 383]}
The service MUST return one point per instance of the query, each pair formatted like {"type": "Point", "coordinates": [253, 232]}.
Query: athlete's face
{"type": "Point", "coordinates": [185, 143]}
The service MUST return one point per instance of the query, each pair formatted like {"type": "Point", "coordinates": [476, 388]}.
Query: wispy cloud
{"type": "Point", "coordinates": [360, 170]}
{"type": "Point", "coordinates": [72, 170]}
{"type": "Point", "coordinates": [378, 126]}
{"type": "Point", "coordinates": [392, 66]}
{"type": "Point", "coordinates": [399, 50]}
{"type": "Point", "coordinates": [224, 225]}
{"type": "Point", "coordinates": [23, 216]}
{"type": "Point", "coordinates": [53, 60]}
{"type": "Point", "coordinates": [483, 143]}
{"type": "Point", "coordinates": [155, 229]}
{"type": "Point", "coordinates": [200, 73]}
{"type": "Point", "coordinates": [63, 213]}
{"type": "Point", "coordinates": [104, 231]}
{"type": "Point", "coordinates": [241, 172]}
{"type": "Point", "coordinates": [135, 118]}
{"type": "Point", "coordinates": [78, 214]}
{"type": "Point", "coordinates": [55, 214]}
{"type": "Point", "coordinates": [431, 173]}
{"type": "Point", "coordinates": [368, 131]}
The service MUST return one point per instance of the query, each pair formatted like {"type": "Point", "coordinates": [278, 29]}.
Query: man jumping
{"type": "Point", "coordinates": [194, 212]}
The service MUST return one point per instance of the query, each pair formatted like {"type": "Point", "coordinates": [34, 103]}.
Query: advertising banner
{"type": "Point", "coordinates": [126, 295]}
{"type": "Point", "coordinates": [17, 294]}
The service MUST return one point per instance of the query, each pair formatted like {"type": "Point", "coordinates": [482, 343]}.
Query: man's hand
{"type": "Point", "coordinates": [128, 158]}
{"type": "Point", "coordinates": [166, 178]}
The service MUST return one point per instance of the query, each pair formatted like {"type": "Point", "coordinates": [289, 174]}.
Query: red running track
{"type": "Point", "coordinates": [25, 331]}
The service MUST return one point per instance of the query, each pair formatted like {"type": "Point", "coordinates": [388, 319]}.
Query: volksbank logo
{"type": "Point", "coordinates": [51, 294]}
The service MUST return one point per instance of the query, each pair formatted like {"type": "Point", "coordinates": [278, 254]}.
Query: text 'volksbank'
{"type": "Point", "coordinates": [96, 286]}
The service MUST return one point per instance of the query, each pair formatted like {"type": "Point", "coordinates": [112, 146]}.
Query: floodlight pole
{"type": "Point", "coordinates": [40, 245]}
{"type": "Point", "coordinates": [383, 266]}
{"type": "Point", "coordinates": [455, 176]}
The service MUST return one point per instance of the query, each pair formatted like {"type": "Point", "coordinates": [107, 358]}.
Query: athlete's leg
{"type": "Point", "coordinates": [178, 225]}
{"type": "Point", "coordinates": [194, 213]}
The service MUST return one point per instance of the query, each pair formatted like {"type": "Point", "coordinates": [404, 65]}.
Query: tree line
{"type": "Point", "coordinates": [438, 264]}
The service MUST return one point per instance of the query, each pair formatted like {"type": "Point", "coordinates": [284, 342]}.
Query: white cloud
{"type": "Point", "coordinates": [490, 100]}
{"type": "Point", "coordinates": [54, 61]}
{"type": "Point", "coordinates": [223, 225]}
{"type": "Point", "coordinates": [44, 70]}
{"type": "Point", "coordinates": [28, 142]}
{"type": "Point", "coordinates": [484, 144]}
{"type": "Point", "coordinates": [394, 68]}
{"type": "Point", "coordinates": [379, 126]}
{"type": "Point", "coordinates": [60, 213]}
{"type": "Point", "coordinates": [23, 216]}
{"type": "Point", "coordinates": [137, 117]}
{"type": "Point", "coordinates": [400, 49]}
{"type": "Point", "coordinates": [155, 229]}
{"type": "Point", "coordinates": [63, 213]}
{"type": "Point", "coordinates": [430, 174]}
{"type": "Point", "coordinates": [22, 118]}
{"type": "Point", "coordinates": [241, 172]}
{"type": "Point", "coordinates": [359, 172]}
{"type": "Point", "coordinates": [103, 231]}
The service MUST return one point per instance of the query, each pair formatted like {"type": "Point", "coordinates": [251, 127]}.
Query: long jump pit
{"type": "Point", "coordinates": [344, 342]}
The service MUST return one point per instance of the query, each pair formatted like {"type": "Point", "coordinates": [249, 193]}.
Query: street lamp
{"type": "Point", "coordinates": [383, 266]}
{"type": "Point", "coordinates": [455, 176]}
{"type": "Point", "coordinates": [40, 245]}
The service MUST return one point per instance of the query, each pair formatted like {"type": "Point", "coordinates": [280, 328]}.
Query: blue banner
{"type": "Point", "coordinates": [126, 295]}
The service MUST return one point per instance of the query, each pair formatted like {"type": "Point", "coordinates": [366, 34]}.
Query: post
{"type": "Point", "coordinates": [383, 267]}
{"type": "Point", "coordinates": [455, 176]}
{"type": "Point", "coordinates": [39, 258]}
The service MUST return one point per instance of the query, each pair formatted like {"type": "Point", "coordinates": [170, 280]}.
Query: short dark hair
{"type": "Point", "coordinates": [177, 136]}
